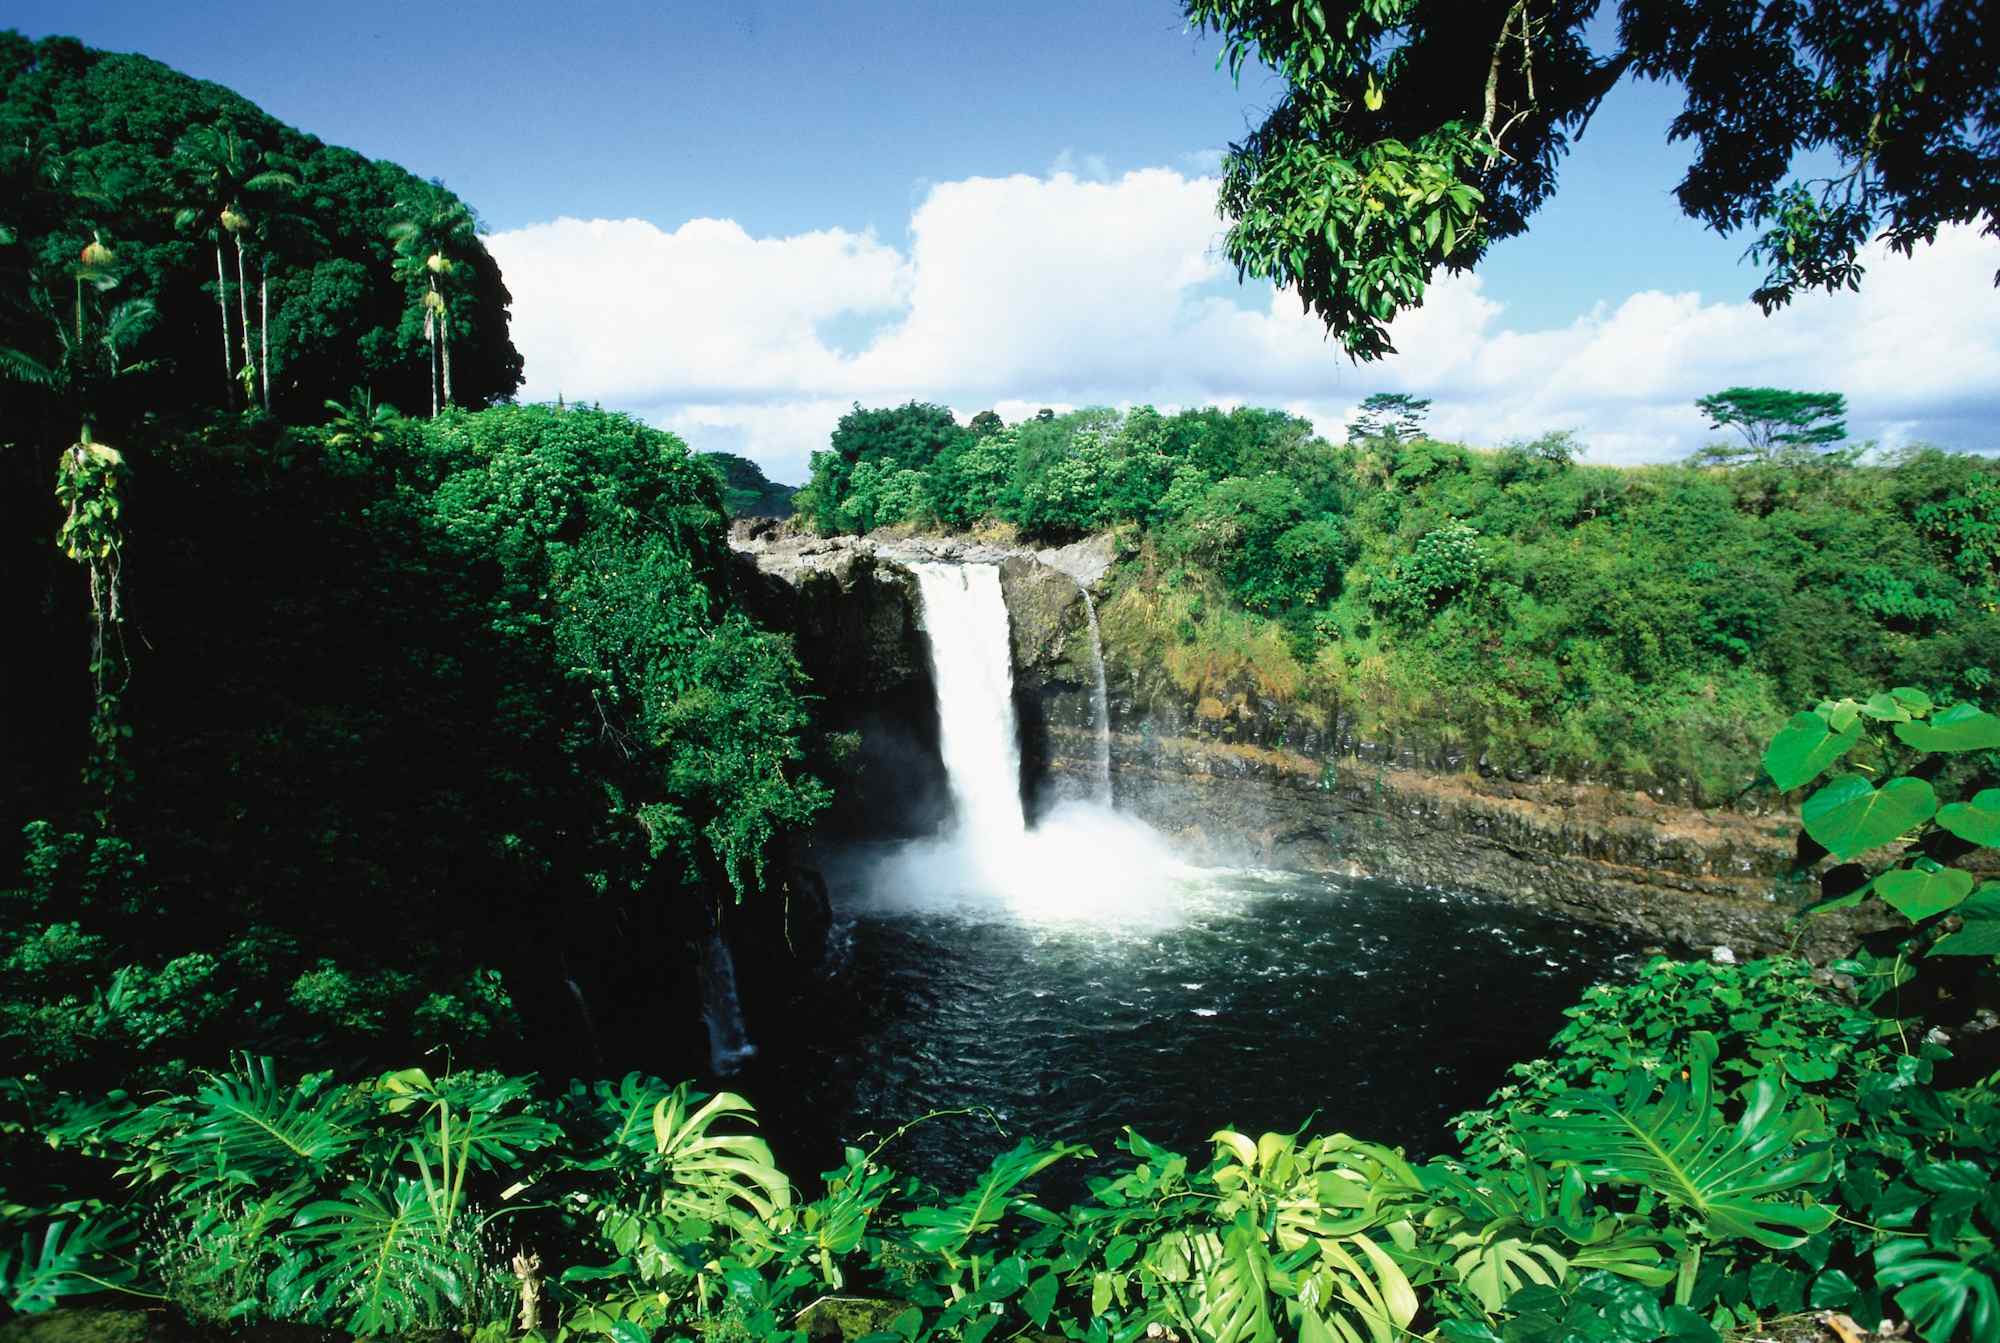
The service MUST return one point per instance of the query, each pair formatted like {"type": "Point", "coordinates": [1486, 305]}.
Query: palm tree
{"type": "Point", "coordinates": [223, 175]}
{"type": "Point", "coordinates": [434, 226]}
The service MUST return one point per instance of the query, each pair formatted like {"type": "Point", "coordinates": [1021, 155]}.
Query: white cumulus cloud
{"type": "Point", "coordinates": [1065, 290]}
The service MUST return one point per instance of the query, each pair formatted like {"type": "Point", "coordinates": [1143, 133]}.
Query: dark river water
{"type": "Point", "coordinates": [1254, 1000]}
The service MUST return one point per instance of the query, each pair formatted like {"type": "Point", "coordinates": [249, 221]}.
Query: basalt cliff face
{"type": "Point", "coordinates": [1247, 781]}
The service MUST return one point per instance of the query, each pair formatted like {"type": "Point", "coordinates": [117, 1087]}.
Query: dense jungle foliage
{"type": "Point", "coordinates": [288, 669]}
{"type": "Point", "coordinates": [1706, 1150]}
{"type": "Point", "coordinates": [1533, 612]}
{"type": "Point", "coordinates": [352, 740]}
{"type": "Point", "coordinates": [746, 491]}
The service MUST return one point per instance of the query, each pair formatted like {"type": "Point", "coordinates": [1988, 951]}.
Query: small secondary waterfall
{"type": "Point", "coordinates": [965, 619]}
{"type": "Point", "coordinates": [1100, 700]}
{"type": "Point", "coordinates": [729, 1043]}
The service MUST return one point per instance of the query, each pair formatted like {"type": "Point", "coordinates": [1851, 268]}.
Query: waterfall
{"type": "Point", "coordinates": [1100, 701]}
{"type": "Point", "coordinates": [1083, 862]}
{"type": "Point", "coordinates": [728, 1038]}
{"type": "Point", "coordinates": [965, 620]}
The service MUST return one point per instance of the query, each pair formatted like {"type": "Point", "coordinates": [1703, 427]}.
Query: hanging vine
{"type": "Point", "coordinates": [89, 481]}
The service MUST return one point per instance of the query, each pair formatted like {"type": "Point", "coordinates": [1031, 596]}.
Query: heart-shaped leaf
{"type": "Point", "coordinates": [1916, 701]}
{"type": "Point", "coordinates": [1803, 750]}
{"type": "Point", "coordinates": [1977, 821]}
{"type": "Point", "coordinates": [1919, 893]}
{"type": "Point", "coordinates": [1851, 816]}
{"type": "Point", "coordinates": [1886, 708]}
{"type": "Point", "coordinates": [1981, 934]}
{"type": "Point", "coordinates": [1962, 727]}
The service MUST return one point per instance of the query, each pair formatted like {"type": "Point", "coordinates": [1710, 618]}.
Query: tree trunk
{"type": "Point", "coordinates": [444, 338]}
{"type": "Point", "coordinates": [243, 302]}
{"type": "Point", "coordinates": [264, 331]}
{"type": "Point", "coordinates": [434, 373]}
{"type": "Point", "coordinates": [222, 301]}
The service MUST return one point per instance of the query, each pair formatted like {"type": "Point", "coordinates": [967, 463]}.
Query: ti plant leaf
{"type": "Point", "coordinates": [1850, 816]}
{"type": "Point", "coordinates": [1803, 750]}
{"type": "Point", "coordinates": [1675, 1141]}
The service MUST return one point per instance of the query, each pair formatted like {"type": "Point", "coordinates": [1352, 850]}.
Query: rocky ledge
{"type": "Point", "coordinates": [1249, 784]}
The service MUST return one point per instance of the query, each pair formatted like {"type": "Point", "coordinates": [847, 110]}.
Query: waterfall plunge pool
{"type": "Point", "coordinates": [1072, 979]}
{"type": "Point", "coordinates": [1257, 1000]}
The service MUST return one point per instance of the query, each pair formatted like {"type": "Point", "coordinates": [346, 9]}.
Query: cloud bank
{"type": "Point", "coordinates": [1062, 290]}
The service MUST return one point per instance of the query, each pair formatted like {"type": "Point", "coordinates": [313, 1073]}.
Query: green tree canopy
{"type": "Point", "coordinates": [1416, 133]}
{"type": "Point", "coordinates": [1390, 415]}
{"type": "Point", "coordinates": [1774, 420]}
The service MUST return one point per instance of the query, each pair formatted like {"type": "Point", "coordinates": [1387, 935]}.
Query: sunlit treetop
{"type": "Point", "coordinates": [1416, 133]}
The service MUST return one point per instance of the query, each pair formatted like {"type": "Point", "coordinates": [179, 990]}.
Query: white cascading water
{"type": "Point", "coordinates": [729, 1045]}
{"type": "Point", "coordinates": [1082, 863]}
{"type": "Point", "coordinates": [1100, 700]}
{"type": "Point", "coordinates": [965, 619]}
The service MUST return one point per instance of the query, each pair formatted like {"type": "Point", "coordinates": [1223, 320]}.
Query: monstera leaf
{"type": "Point", "coordinates": [1494, 1265]}
{"type": "Point", "coordinates": [1675, 1141]}
{"type": "Point", "coordinates": [67, 1259]}
{"type": "Point", "coordinates": [1939, 1292]}
{"type": "Point", "coordinates": [378, 1259]}
{"type": "Point", "coordinates": [716, 1177]}
{"type": "Point", "coordinates": [623, 1113]}
{"type": "Point", "coordinates": [1801, 752]}
{"type": "Point", "coordinates": [1851, 816]}
{"type": "Point", "coordinates": [1297, 1244]}
{"type": "Point", "coordinates": [248, 1129]}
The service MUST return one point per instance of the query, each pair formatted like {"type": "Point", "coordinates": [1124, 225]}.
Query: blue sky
{"type": "Point", "coordinates": [850, 119]}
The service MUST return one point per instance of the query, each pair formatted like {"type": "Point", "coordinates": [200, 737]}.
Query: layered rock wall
{"type": "Point", "coordinates": [1248, 782]}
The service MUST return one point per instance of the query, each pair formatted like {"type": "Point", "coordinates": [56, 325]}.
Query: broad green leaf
{"type": "Point", "coordinates": [1675, 1141]}
{"type": "Point", "coordinates": [1915, 701]}
{"type": "Point", "coordinates": [67, 1259]}
{"type": "Point", "coordinates": [1919, 893]}
{"type": "Point", "coordinates": [1804, 749]}
{"type": "Point", "coordinates": [1886, 708]}
{"type": "Point", "coordinates": [1939, 1293]}
{"type": "Point", "coordinates": [1040, 1299]}
{"type": "Point", "coordinates": [1962, 727]}
{"type": "Point", "coordinates": [1977, 821]}
{"type": "Point", "coordinates": [1981, 934]}
{"type": "Point", "coordinates": [1851, 816]}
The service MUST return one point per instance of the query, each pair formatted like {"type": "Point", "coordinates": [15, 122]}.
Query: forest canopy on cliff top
{"type": "Point", "coordinates": [1516, 605]}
